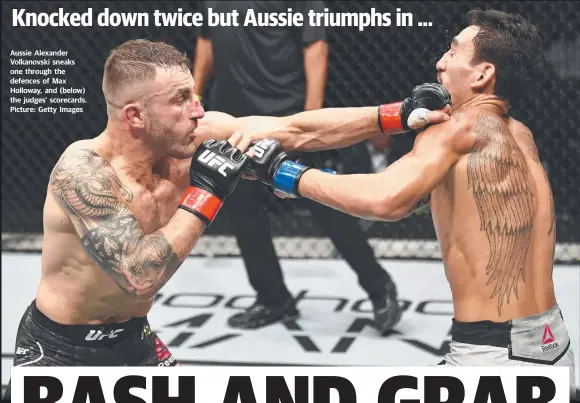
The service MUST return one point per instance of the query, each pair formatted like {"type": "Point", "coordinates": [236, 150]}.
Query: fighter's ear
{"type": "Point", "coordinates": [133, 115]}
{"type": "Point", "coordinates": [485, 77]}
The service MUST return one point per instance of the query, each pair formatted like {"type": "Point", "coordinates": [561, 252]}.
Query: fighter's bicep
{"type": "Point", "coordinates": [414, 176]}
{"type": "Point", "coordinates": [430, 160]}
{"type": "Point", "coordinates": [92, 195]}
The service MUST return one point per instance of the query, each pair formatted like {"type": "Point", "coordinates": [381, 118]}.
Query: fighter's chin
{"type": "Point", "coordinates": [184, 153]}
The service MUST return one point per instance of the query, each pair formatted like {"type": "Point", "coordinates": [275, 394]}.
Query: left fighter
{"type": "Point", "coordinates": [124, 209]}
{"type": "Point", "coordinates": [122, 212]}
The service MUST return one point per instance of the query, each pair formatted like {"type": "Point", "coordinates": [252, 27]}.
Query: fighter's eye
{"type": "Point", "coordinates": [181, 98]}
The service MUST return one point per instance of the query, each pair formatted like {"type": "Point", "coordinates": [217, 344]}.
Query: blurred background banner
{"type": "Point", "coordinates": [369, 67]}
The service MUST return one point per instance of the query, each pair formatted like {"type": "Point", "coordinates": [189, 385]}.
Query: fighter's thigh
{"type": "Point", "coordinates": [568, 361]}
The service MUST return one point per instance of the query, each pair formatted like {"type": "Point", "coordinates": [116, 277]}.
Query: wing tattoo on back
{"type": "Point", "coordinates": [498, 177]}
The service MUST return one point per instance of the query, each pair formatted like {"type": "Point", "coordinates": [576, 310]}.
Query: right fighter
{"type": "Point", "coordinates": [490, 198]}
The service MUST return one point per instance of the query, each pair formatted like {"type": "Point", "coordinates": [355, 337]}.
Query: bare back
{"type": "Point", "coordinates": [73, 288]}
{"type": "Point", "coordinates": [494, 218]}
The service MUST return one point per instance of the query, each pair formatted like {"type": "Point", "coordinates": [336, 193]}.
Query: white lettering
{"type": "Point", "coordinates": [222, 169]}
{"type": "Point", "coordinates": [98, 335]}
{"type": "Point", "coordinates": [206, 156]}
{"type": "Point", "coordinates": [21, 350]}
{"type": "Point", "coordinates": [216, 161]}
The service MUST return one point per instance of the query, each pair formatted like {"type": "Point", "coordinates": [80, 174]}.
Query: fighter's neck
{"type": "Point", "coordinates": [483, 101]}
{"type": "Point", "coordinates": [134, 158]}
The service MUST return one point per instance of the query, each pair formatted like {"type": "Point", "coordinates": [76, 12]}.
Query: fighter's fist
{"type": "Point", "coordinates": [428, 103]}
{"type": "Point", "coordinates": [272, 166]}
{"type": "Point", "coordinates": [424, 98]}
{"type": "Point", "coordinates": [216, 168]}
{"type": "Point", "coordinates": [267, 155]}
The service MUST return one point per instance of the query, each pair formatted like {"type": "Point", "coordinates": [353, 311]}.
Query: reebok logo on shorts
{"type": "Point", "coordinates": [548, 340]}
{"type": "Point", "coordinates": [163, 355]}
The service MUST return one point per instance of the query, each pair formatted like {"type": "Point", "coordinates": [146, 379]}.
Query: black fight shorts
{"type": "Point", "coordinates": [43, 342]}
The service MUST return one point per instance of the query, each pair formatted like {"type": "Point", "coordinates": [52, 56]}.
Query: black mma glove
{"type": "Point", "coordinates": [411, 114]}
{"type": "Point", "coordinates": [273, 167]}
{"type": "Point", "coordinates": [216, 168]}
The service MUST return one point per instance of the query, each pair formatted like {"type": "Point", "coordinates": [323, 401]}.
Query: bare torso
{"type": "Point", "coordinates": [494, 219]}
{"type": "Point", "coordinates": [73, 289]}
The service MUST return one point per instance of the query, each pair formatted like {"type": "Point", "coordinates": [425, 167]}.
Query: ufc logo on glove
{"type": "Point", "coordinates": [211, 159]}
{"type": "Point", "coordinates": [261, 146]}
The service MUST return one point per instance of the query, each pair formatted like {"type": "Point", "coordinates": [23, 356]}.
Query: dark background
{"type": "Point", "coordinates": [375, 66]}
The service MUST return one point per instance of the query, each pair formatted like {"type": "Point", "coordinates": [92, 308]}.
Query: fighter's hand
{"type": "Point", "coordinates": [422, 107]}
{"type": "Point", "coordinates": [433, 117]}
{"type": "Point", "coordinates": [216, 168]}
{"type": "Point", "coordinates": [428, 103]}
{"type": "Point", "coordinates": [273, 167]}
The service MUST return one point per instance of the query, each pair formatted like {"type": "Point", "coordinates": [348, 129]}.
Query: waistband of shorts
{"type": "Point", "coordinates": [89, 335]}
{"type": "Point", "coordinates": [497, 334]}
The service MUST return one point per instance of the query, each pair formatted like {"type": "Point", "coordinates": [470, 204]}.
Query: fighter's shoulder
{"type": "Point", "coordinates": [469, 124]}
{"type": "Point", "coordinates": [516, 126]}
{"type": "Point", "coordinates": [80, 160]}
{"type": "Point", "coordinates": [78, 149]}
{"type": "Point", "coordinates": [456, 133]}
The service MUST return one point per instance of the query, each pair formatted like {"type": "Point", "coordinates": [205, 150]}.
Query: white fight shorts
{"type": "Point", "coordinates": [530, 341]}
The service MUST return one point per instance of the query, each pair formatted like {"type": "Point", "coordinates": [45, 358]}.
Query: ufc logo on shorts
{"type": "Point", "coordinates": [261, 147]}
{"type": "Point", "coordinates": [211, 160]}
{"type": "Point", "coordinates": [20, 351]}
{"type": "Point", "coordinates": [98, 335]}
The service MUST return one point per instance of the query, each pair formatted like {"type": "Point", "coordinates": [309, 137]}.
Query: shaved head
{"type": "Point", "coordinates": [133, 65]}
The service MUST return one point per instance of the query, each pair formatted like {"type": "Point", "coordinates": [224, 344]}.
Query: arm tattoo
{"type": "Point", "coordinates": [87, 187]}
{"type": "Point", "coordinates": [498, 177]}
{"type": "Point", "coordinates": [422, 206]}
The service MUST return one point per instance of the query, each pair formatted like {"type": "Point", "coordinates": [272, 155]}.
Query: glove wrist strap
{"type": "Point", "coordinates": [287, 177]}
{"type": "Point", "coordinates": [390, 118]}
{"type": "Point", "coordinates": [202, 203]}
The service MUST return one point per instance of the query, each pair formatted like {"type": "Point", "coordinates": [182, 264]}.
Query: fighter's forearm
{"type": "Point", "coordinates": [322, 129]}
{"type": "Point", "coordinates": [141, 264]}
{"type": "Point", "coordinates": [361, 195]}
{"type": "Point", "coordinates": [330, 128]}
{"type": "Point", "coordinates": [159, 255]}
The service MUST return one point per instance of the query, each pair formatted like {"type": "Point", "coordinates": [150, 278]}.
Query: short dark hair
{"type": "Point", "coordinates": [136, 60]}
{"type": "Point", "coordinates": [512, 44]}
